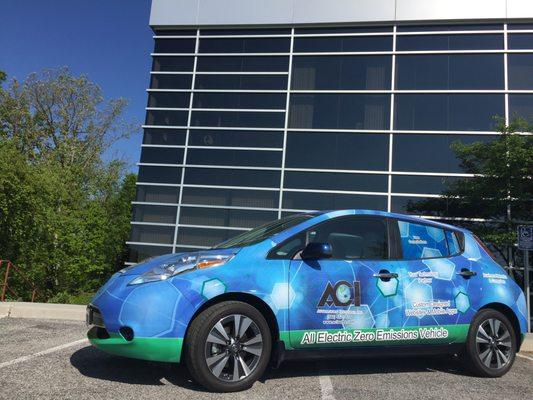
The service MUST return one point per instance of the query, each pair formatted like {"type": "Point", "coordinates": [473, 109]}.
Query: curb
{"type": "Point", "coordinates": [42, 310]}
{"type": "Point", "coordinates": [527, 344]}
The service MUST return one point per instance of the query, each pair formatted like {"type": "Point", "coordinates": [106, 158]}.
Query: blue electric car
{"type": "Point", "coordinates": [351, 282]}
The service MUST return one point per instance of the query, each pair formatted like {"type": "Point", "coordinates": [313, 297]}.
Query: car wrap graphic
{"type": "Point", "coordinates": [324, 303]}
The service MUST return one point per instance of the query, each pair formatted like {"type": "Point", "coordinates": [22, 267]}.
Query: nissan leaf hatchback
{"type": "Point", "coordinates": [334, 283]}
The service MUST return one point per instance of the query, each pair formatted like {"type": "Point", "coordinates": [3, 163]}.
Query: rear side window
{"type": "Point", "coordinates": [454, 245]}
{"type": "Point", "coordinates": [422, 241]}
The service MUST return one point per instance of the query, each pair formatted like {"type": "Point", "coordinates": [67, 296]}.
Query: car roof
{"type": "Point", "coordinates": [404, 217]}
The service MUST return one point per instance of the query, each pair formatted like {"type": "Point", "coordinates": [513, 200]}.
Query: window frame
{"type": "Point", "coordinates": [392, 248]}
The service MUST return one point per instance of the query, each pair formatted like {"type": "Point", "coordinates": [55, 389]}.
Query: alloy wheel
{"type": "Point", "coordinates": [493, 343]}
{"type": "Point", "coordinates": [233, 348]}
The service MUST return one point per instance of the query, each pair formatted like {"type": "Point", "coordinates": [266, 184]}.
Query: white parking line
{"type": "Point", "coordinates": [523, 356]}
{"type": "Point", "coordinates": [326, 388]}
{"type": "Point", "coordinates": [42, 353]}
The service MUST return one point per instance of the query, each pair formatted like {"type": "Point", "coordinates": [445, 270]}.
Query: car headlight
{"type": "Point", "coordinates": [180, 264]}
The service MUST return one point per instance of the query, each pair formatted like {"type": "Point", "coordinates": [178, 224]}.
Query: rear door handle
{"type": "Point", "coordinates": [466, 273]}
{"type": "Point", "coordinates": [386, 275]}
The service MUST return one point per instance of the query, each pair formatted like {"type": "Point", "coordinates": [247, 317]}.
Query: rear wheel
{"type": "Point", "coordinates": [228, 347]}
{"type": "Point", "coordinates": [491, 344]}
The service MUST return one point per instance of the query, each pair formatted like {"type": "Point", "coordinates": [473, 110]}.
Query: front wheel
{"type": "Point", "coordinates": [228, 347]}
{"type": "Point", "coordinates": [491, 344]}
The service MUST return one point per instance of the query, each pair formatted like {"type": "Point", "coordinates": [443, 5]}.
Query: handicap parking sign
{"type": "Point", "coordinates": [525, 237]}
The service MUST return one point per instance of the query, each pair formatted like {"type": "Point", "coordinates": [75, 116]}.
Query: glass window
{"type": "Point", "coordinates": [245, 45]}
{"type": "Point", "coordinates": [243, 119]}
{"type": "Point", "coordinates": [175, 32]}
{"type": "Point", "coordinates": [341, 72]}
{"type": "Point", "coordinates": [519, 41]}
{"type": "Point", "coordinates": [231, 197]}
{"type": "Point", "coordinates": [175, 45]}
{"type": "Point", "coordinates": [252, 158]}
{"type": "Point", "coordinates": [342, 44]}
{"type": "Point", "coordinates": [521, 105]}
{"type": "Point", "coordinates": [420, 184]}
{"type": "Point", "coordinates": [520, 71]}
{"type": "Point", "coordinates": [442, 28]}
{"type": "Point", "coordinates": [242, 64]}
{"type": "Point", "coordinates": [252, 82]}
{"type": "Point", "coordinates": [162, 155]}
{"type": "Point", "coordinates": [169, 99]}
{"type": "Point", "coordinates": [152, 234]}
{"type": "Point", "coordinates": [453, 242]}
{"type": "Point", "coordinates": [363, 151]}
{"type": "Point", "coordinates": [336, 181]}
{"type": "Point", "coordinates": [165, 117]}
{"type": "Point", "coordinates": [225, 217]}
{"type": "Point", "coordinates": [139, 253]}
{"type": "Point", "coordinates": [353, 238]}
{"type": "Point", "coordinates": [239, 138]}
{"type": "Point", "coordinates": [204, 236]}
{"type": "Point", "coordinates": [449, 42]}
{"type": "Point", "coordinates": [339, 111]}
{"type": "Point", "coordinates": [246, 31]}
{"type": "Point", "coordinates": [170, 63]}
{"type": "Point", "coordinates": [232, 177]}
{"type": "Point", "coordinates": [159, 174]}
{"type": "Point", "coordinates": [332, 201]}
{"type": "Point", "coordinates": [422, 241]}
{"type": "Point", "coordinates": [442, 112]}
{"type": "Point", "coordinates": [240, 100]}
{"type": "Point", "coordinates": [520, 26]}
{"type": "Point", "coordinates": [166, 81]}
{"type": "Point", "coordinates": [157, 194]}
{"type": "Point", "coordinates": [164, 136]}
{"type": "Point", "coordinates": [438, 207]}
{"type": "Point", "coordinates": [449, 71]}
{"type": "Point", "coordinates": [429, 153]}
{"type": "Point", "coordinates": [150, 213]}
{"type": "Point", "coordinates": [343, 29]}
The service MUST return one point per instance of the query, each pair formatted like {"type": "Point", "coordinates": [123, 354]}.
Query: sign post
{"type": "Point", "coordinates": [525, 243]}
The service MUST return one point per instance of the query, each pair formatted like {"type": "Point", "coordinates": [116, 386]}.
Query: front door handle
{"type": "Point", "coordinates": [385, 275]}
{"type": "Point", "coordinates": [466, 273]}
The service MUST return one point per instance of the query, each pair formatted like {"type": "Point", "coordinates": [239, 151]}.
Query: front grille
{"type": "Point", "coordinates": [93, 316]}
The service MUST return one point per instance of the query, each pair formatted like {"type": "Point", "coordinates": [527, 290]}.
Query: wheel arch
{"type": "Point", "coordinates": [250, 299]}
{"type": "Point", "coordinates": [510, 314]}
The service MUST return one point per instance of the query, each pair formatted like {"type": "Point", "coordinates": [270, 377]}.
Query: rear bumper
{"type": "Point", "coordinates": [142, 348]}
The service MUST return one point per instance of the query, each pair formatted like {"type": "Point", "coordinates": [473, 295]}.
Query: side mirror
{"type": "Point", "coordinates": [317, 251]}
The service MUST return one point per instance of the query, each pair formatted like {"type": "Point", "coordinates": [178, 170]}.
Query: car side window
{"type": "Point", "coordinates": [353, 238]}
{"type": "Point", "coordinates": [421, 241]}
{"type": "Point", "coordinates": [453, 243]}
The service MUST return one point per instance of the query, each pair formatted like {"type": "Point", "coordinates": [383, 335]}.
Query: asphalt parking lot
{"type": "Point", "coordinates": [49, 359]}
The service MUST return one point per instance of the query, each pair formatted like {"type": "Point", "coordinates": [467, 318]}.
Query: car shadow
{"type": "Point", "coordinates": [94, 363]}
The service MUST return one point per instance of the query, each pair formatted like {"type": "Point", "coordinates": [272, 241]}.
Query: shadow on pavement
{"type": "Point", "coordinates": [94, 363]}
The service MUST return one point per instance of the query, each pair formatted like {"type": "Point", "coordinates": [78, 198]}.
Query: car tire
{"type": "Point", "coordinates": [490, 348]}
{"type": "Point", "coordinates": [228, 340]}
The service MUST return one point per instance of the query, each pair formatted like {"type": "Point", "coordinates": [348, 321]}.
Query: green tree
{"type": "Point", "coordinates": [64, 211]}
{"type": "Point", "coordinates": [500, 195]}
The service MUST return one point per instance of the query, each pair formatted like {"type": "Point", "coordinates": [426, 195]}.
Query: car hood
{"type": "Point", "coordinates": [144, 266]}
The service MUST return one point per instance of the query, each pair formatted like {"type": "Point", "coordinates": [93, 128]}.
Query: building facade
{"type": "Point", "coordinates": [262, 108]}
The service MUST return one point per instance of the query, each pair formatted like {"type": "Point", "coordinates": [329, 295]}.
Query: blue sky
{"type": "Point", "coordinates": [108, 40]}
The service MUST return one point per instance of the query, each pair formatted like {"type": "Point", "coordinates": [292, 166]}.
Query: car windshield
{"type": "Point", "coordinates": [263, 232]}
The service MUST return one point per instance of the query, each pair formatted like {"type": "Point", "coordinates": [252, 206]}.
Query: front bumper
{"type": "Point", "coordinates": [145, 321]}
{"type": "Point", "coordinates": [152, 349]}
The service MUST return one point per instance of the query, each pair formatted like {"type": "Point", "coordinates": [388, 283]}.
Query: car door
{"type": "Point", "coordinates": [340, 301]}
{"type": "Point", "coordinates": [436, 296]}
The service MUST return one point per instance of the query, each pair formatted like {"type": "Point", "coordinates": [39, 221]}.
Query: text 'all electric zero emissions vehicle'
{"type": "Point", "coordinates": [314, 284]}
